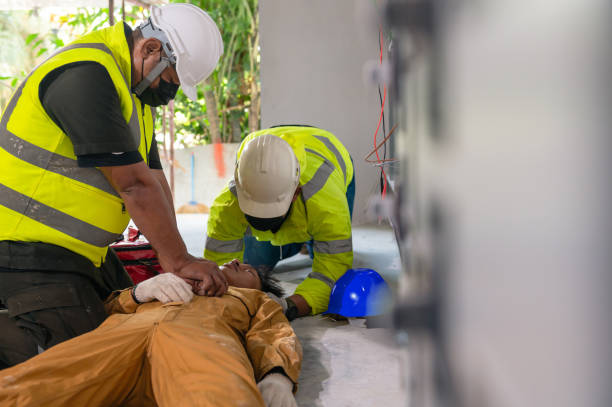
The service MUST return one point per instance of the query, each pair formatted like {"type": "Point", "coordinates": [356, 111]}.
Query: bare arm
{"type": "Point", "coordinates": [301, 304]}
{"type": "Point", "coordinates": [161, 178]}
{"type": "Point", "coordinates": [151, 210]}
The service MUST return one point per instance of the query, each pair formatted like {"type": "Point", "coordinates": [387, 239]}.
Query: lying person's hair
{"type": "Point", "coordinates": [270, 284]}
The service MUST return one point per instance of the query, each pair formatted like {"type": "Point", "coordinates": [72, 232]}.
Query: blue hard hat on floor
{"type": "Point", "coordinates": [359, 292]}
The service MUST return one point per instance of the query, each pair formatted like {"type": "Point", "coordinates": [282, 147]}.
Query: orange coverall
{"type": "Point", "coordinates": [209, 352]}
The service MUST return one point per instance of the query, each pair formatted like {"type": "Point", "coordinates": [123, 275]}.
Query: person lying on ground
{"type": "Point", "coordinates": [183, 349]}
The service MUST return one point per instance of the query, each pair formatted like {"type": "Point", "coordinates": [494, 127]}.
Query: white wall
{"type": "Point", "coordinates": [208, 182]}
{"type": "Point", "coordinates": [312, 57]}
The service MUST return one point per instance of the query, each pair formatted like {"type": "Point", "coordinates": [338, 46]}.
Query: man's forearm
{"type": "Point", "coordinates": [301, 304]}
{"type": "Point", "coordinates": [161, 178]}
{"type": "Point", "coordinates": [150, 209]}
{"type": "Point", "coordinates": [153, 213]}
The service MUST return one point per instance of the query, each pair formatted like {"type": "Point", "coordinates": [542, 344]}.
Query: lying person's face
{"type": "Point", "coordinates": [241, 275]}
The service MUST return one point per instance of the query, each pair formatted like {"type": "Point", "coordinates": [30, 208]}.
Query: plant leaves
{"type": "Point", "coordinates": [58, 42]}
{"type": "Point", "coordinates": [30, 38]}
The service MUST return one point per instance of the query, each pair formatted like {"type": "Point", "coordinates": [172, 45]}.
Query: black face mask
{"type": "Point", "coordinates": [164, 93]}
{"type": "Point", "coordinates": [264, 224]}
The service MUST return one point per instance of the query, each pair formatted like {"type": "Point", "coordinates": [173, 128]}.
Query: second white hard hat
{"type": "Point", "coordinates": [266, 175]}
{"type": "Point", "coordinates": [195, 40]}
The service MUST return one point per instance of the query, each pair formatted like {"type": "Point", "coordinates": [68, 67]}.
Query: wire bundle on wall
{"type": "Point", "coordinates": [381, 162]}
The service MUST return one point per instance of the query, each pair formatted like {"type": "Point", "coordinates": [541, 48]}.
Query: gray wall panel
{"type": "Point", "coordinates": [312, 58]}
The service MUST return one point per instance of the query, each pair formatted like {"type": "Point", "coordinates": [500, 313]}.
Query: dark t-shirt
{"type": "Point", "coordinates": [82, 100]}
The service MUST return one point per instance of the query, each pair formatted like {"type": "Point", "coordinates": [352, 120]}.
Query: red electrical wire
{"type": "Point", "coordinates": [381, 43]}
{"type": "Point", "coordinates": [382, 111]}
{"type": "Point", "coordinates": [382, 143]}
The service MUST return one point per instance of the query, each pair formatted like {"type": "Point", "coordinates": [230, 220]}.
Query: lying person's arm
{"type": "Point", "coordinates": [272, 344]}
{"type": "Point", "coordinates": [166, 287]}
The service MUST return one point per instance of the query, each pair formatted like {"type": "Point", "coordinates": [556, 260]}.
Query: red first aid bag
{"type": "Point", "coordinates": [137, 256]}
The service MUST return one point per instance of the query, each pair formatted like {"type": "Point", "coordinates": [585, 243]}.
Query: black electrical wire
{"type": "Point", "coordinates": [382, 180]}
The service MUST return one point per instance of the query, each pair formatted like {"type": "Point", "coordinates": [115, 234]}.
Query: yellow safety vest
{"type": "Point", "coordinates": [44, 195]}
{"type": "Point", "coordinates": [322, 213]}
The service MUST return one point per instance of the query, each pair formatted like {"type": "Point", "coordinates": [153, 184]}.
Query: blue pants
{"type": "Point", "coordinates": [263, 255]}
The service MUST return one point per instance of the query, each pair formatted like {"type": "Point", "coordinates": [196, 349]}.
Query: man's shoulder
{"type": "Point", "coordinates": [227, 198]}
{"type": "Point", "coordinates": [72, 77]}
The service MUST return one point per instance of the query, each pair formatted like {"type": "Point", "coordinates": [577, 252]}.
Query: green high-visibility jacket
{"type": "Point", "coordinates": [321, 213]}
{"type": "Point", "coordinates": [44, 195]}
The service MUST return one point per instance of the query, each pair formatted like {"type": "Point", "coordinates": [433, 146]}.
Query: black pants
{"type": "Point", "coordinates": [45, 308]}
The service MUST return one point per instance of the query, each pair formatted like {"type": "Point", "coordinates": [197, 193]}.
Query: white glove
{"type": "Point", "coordinates": [165, 287]}
{"type": "Point", "coordinates": [277, 390]}
{"type": "Point", "coordinates": [281, 301]}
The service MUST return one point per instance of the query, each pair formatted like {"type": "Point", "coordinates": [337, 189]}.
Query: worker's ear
{"type": "Point", "coordinates": [150, 46]}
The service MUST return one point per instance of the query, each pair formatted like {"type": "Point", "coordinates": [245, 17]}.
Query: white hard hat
{"type": "Point", "coordinates": [194, 39]}
{"type": "Point", "coordinates": [266, 175]}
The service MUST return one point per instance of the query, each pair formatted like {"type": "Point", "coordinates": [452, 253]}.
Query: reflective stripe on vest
{"type": "Point", "coordinates": [45, 159]}
{"type": "Point", "coordinates": [55, 219]}
{"type": "Point", "coordinates": [319, 179]}
{"type": "Point", "coordinates": [232, 187]}
{"type": "Point", "coordinates": [224, 246]}
{"type": "Point", "coordinates": [331, 147]}
{"type": "Point", "coordinates": [333, 246]}
{"type": "Point", "coordinates": [323, 278]}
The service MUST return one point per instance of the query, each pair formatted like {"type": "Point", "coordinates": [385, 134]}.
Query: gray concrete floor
{"type": "Point", "coordinates": [345, 363]}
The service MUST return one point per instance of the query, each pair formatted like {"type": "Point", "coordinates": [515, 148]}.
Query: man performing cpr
{"type": "Point", "coordinates": [292, 185]}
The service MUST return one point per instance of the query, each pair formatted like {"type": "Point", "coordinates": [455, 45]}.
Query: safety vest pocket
{"type": "Point", "coordinates": [98, 208]}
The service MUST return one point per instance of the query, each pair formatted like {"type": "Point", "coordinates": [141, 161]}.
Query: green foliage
{"type": "Point", "coordinates": [235, 82]}
{"type": "Point", "coordinates": [30, 38]}
{"type": "Point", "coordinates": [34, 47]}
